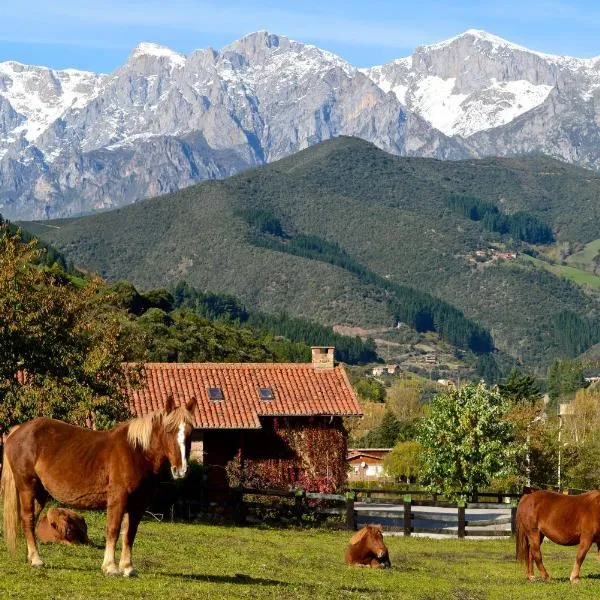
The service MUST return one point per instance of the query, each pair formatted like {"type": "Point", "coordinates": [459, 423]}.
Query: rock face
{"type": "Point", "coordinates": [500, 98]}
{"type": "Point", "coordinates": [73, 142]}
{"type": "Point", "coordinates": [163, 121]}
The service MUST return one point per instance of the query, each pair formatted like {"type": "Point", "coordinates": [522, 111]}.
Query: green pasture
{"type": "Point", "coordinates": [181, 561]}
{"type": "Point", "coordinates": [576, 275]}
{"type": "Point", "coordinates": [585, 257]}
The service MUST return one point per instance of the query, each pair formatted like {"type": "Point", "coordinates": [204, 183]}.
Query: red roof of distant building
{"type": "Point", "coordinates": [298, 390]}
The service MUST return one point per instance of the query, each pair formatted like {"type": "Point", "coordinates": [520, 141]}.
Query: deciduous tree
{"type": "Point", "coordinates": [61, 347]}
{"type": "Point", "coordinates": [467, 440]}
{"type": "Point", "coordinates": [404, 460]}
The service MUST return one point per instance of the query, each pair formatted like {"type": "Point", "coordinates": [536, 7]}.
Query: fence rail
{"type": "Point", "coordinates": [403, 514]}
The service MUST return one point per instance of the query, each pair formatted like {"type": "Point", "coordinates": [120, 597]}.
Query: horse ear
{"type": "Point", "coordinates": [357, 537]}
{"type": "Point", "coordinates": [190, 404]}
{"type": "Point", "coordinates": [169, 404]}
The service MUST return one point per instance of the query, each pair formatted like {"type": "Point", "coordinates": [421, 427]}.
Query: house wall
{"type": "Point", "coordinates": [365, 469]}
{"type": "Point", "coordinates": [286, 453]}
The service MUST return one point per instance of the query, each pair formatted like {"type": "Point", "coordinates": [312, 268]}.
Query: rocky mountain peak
{"type": "Point", "coordinates": [163, 120]}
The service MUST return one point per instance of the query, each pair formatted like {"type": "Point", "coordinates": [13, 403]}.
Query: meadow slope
{"type": "Point", "coordinates": [389, 214]}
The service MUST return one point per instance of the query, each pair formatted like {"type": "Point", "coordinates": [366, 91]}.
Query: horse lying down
{"type": "Point", "coordinates": [367, 548]}
{"type": "Point", "coordinates": [62, 525]}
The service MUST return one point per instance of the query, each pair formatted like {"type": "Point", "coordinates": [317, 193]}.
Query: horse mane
{"type": "Point", "coordinates": [139, 431]}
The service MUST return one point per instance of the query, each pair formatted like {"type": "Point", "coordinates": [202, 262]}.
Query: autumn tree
{"type": "Point", "coordinates": [582, 436]}
{"type": "Point", "coordinates": [61, 346]}
{"type": "Point", "coordinates": [466, 439]}
{"type": "Point", "coordinates": [404, 461]}
{"type": "Point", "coordinates": [404, 399]}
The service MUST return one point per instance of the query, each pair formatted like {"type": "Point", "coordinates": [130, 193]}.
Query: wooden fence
{"type": "Point", "coordinates": [400, 512]}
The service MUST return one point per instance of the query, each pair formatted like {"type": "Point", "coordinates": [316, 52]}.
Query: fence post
{"type": "Point", "coordinates": [513, 517]}
{"type": "Point", "coordinates": [239, 508]}
{"type": "Point", "coordinates": [299, 498]}
{"type": "Point", "coordinates": [351, 520]}
{"type": "Point", "coordinates": [461, 519]}
{"type": "Point", "coordinates": [407, 514]}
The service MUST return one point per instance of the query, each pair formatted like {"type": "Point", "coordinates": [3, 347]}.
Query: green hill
{"type": "Point", "coordinates": [337, 231]}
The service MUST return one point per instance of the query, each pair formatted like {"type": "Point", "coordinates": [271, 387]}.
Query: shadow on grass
{"type": "Point", "coordinates": [562, 579]}
{"type": "Point", "coordinates": [239, 578]}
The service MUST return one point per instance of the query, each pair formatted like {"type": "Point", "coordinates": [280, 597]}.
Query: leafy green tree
{"type": "Point", "coordinates": [488, 368]}
{"type": "Point", "coordinates": [370, 389]}
{"type": "Point", "coordinates": [61, 347]}
{"type": "Point", "coordinates": [404, 461]}
{"type": "Point", "coordinates": [520, 387]}
{"type": "Point", "coordinates": [565, 377]}
{"type": "Point", "coordinates": [390, 431]}
{"type": "Point", "coordinates": [467, 440]}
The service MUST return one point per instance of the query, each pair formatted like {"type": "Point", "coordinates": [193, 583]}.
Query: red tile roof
{"type": "Point", "coordinates": [298, 390]}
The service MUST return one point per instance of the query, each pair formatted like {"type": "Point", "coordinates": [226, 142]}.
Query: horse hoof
{"type": "Point", "coordinates": [129, 572]}
{"type": "Point", "coordinates": [111, 571]}
{"type": "Point", "coordinates": [575, 580]}
{"type": "Point", "coordinates": [38, 563]}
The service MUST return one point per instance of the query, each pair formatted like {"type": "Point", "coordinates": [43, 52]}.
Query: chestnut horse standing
{"type": "Point", "coordinates": [82, 468]}
{"type": "Point", "coordinates": [566, 520]}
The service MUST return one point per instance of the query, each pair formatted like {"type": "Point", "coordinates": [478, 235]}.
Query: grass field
{"type": "Point", "coordinates": [585, 258]}
{"type": "Point", "coordinates": [181, 561]}
{"type": "Point", "coordinates": [576, 275]}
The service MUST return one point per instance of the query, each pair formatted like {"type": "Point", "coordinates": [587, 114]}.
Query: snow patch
{"type": "Point", "coordinates": [43, 95]}
{"type": "Point", "coordinates": [156, 50]}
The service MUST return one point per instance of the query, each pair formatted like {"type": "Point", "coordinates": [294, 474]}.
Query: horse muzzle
{"type": "Point", "coordinates": [179, 472]}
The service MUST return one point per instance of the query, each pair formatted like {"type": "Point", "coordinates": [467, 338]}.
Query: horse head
{"type": "Point", "coordinates": [165, 434]}
{"type": "Point", "coordinates": [366, 543]}
{"type": "Point", "coordinates": [178, 426]}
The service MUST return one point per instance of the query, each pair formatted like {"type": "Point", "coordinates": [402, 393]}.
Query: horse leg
{"type": "Point", "coordinates": [530, 574]}
{"type": "Point", "coordinates": [585, 543]}
{"type": "Point", "coordinates": [535, 542]}
{"type": "Point", "coordinates": [41, 497]}
{"type": "Point", "coordinates": [114, 515]}
{"type": "Point", "coordinates": [28, 516]}
{"type": "Point", "coordinates": [132, 520]}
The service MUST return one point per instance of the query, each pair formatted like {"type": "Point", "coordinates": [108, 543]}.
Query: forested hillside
{"type": "Point", "coordinates": [346, 234]}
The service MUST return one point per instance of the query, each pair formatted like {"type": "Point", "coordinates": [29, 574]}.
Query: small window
{"type": "Point", "coordinates": [266, 394]}
{"type": "Point", "coordinates": [215, 393]}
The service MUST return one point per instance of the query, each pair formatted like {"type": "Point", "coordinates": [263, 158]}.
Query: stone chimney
{"type": "Point", "coordinates": [323, 357]}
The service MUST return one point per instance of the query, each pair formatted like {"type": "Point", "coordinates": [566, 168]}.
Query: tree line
{"type": "Point", "coordinates": [69, 343]}
{"type": "Point", "coordinates": [477, 437]}
{"type": "Point", "coordinates": [348, 349]}
{"type": "Point", "coordinates": [520, 225]}
{"type": "Point", "coordinates": [420, 310]}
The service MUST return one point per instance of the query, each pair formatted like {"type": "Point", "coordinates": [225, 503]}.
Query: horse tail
{"type": "Point", "coordinates": [8, 490]}
{"type": "Point", "coordinates": [521, 541]}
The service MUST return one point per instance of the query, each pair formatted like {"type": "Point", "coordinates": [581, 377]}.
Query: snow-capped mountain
{"type": "Point", "coordinates": [74, 141]}
{"type": "Point", "coordinates": [32, 98]}
{"type": "Point", "coordinates": [475, 81]}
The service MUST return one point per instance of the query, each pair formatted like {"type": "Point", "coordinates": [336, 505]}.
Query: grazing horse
{"type": "Point", "coordinates": [367, 548]}
{"type": "Point", "coordinates": [63, 526]}
{"type": "Point", "coordinates": [116, 469]}
{"type": "Point", "coordinates": [566, 520]}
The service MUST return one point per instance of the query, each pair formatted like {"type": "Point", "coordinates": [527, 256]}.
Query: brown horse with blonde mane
{"type": "Point", "coordinates": [116, 469]}
{"type": "Point", "coordinates": [566, 520]}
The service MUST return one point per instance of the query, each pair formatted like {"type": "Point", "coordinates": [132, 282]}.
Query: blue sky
{"type": "Point", "coordinates": [98, 35]}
